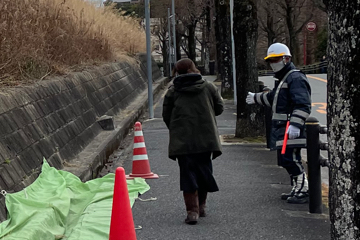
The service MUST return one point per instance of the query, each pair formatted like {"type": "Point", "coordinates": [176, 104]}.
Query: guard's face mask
{"type": "Point", "coordinates": [277, 66]}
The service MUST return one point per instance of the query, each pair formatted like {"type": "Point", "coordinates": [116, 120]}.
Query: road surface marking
{"type": "Point", "coordinates": [317, 78]}
{"type": "Point", "coordinates": [321, 109]}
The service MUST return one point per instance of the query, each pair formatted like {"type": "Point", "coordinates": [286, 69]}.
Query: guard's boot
{"type": "Point", "coordinates": [192, 207]}
{"type": "Point", "coordinates": [301, 190]}
{"type": "Point", "coordinates": [202, 203]}
{"type": "Point", "coordinates": [285, 196]}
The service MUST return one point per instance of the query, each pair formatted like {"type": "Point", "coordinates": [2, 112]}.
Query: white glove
{"type": "Point", "coordinates": [250, 98]}
{"type": "Point", "coordinates": [294, 132]}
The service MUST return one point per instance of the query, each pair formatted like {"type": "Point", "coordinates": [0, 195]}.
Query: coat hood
{"type": "Point", "coordinates": [191, 82]}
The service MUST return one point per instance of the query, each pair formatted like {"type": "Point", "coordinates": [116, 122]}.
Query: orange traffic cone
{"type": "Point", "coordinates": [122, 223]}
{"type": "Point", "coordinates": [140, 166]}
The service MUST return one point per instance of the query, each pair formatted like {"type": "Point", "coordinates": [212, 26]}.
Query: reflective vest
{"type": "Point", "coordinates": [292, 105]}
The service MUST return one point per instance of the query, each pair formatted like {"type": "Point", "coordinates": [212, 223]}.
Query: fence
{"type": "Point", "coordinates": [315, 161]}
{"type": "Point", "coordinates": [320, 67]}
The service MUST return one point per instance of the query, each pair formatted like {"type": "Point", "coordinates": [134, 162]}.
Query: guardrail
{"type": "Point", "coordinates": [320, 67]}
{"type": "Point", "coordinates": [315, 161]}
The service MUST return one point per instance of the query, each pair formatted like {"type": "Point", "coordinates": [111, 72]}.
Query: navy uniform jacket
{"type": "Point", "coordinates": [290, 100]}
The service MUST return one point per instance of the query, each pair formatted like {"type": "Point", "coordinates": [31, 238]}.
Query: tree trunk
{"type": "Point", "coordinates": [165, 55]}
{"type": "Point", "coordinates": [293, 45]}
{"type": "Point", "coordinates": [207, 37]}
{"type": "Point", "coordinates": [223, 46]}
{"type": "Point", "coordinates": [178, 48]}
{"type": "Point", "coordinates": [250, 122]}
{"type": "Point", "coordinates": [212, 39]}
{"type": "Point", "coordinates": [207, 61]}
{"type": "Point", "coordinates": [203, 43]}
{"type": "Point", "coordinates": [192, 42]}
{"type": "Point", "coordinates": [271, 36]}
{"type": "Point", "coordinates": [344, 118]}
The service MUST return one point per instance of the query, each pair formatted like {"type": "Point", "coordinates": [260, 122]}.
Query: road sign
{"type": "Point", "coordinates": [311, 26]}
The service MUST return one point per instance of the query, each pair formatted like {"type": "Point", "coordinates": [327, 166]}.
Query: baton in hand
{"type": "Point", "coordinates": [285, 138]}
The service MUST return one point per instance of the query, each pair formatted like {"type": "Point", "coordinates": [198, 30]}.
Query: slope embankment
{"type": "Point", "coordinates": [57, 119]}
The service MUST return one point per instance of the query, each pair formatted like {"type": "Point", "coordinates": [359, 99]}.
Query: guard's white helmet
{"type": "Point", "coordinates": [277, 50]}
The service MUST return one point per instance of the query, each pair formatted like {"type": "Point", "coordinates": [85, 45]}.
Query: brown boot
{"type": "Point", "coordinates": [192, 207]}
{"type": "Point", "coordinates": [202, 202]}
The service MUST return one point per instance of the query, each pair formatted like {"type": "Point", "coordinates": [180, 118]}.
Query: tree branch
{"type": "Point", "coordinates": [303, 24]}
{"type": "Point", "coordinates": [320, 4]}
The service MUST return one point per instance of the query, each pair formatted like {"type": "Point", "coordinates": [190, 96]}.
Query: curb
{"type": "Point", "coordinates": [91, 160]}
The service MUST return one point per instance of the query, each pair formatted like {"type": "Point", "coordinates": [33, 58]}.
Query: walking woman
{"type": "Point", "coordinates": [189, 110]}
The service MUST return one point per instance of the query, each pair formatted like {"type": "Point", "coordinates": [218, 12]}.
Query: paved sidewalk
{"type": "Point", "coordinates": [248, 205]}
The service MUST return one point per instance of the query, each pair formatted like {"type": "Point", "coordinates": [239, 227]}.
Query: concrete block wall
{"type": "Point", "coordinates": [55, 119]}
{"type": "Point", "coordinates": [156, 73]}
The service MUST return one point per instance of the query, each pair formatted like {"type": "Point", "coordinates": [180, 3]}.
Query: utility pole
{"type": "Point", "coordinates": [174, 29]}
{"type": "Point", "coordinates": [148, 53]}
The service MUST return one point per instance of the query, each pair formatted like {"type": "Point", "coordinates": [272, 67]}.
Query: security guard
{"type": "Point", "coordinates": [290, 100]}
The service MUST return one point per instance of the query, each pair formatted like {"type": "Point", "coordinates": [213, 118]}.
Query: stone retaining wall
{"type": "Point", "coordinates": [56, 119]}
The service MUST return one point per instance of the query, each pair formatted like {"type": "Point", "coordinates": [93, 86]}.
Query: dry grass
{"type": "Point", "coordinates": [39, 38]}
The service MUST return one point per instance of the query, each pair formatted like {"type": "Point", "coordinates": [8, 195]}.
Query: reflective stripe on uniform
{"type": "Point", "coordinates": [258, 98]}
{"type": "Point", "coordinates": [261, 98]}
{"type": "Point", "coordinates": [279, 87]}
{"type": "Point", "coordinates": [296, 141]}
{"type": "Point", "coordinates": [297, 120]}
{"type": "Point", "coordinates": [267, 103]}
{"type": "Point", "coordinates": [301, 113]}
{"type": "Point", "coordinates": [279, 117]}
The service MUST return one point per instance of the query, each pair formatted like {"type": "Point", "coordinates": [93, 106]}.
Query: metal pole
{"type": "Point", "coordinates": [233, 49]}
{"type": "Point", "coordinates": [174, 29]}
{"type": "Point", "coordinates": [169, 35]}
{"type": "Point", "coordinates": [148, 53]}
{"type": "Point", "coordinates": [313, 159]}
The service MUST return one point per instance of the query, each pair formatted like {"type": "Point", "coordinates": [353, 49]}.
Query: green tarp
{"type": "Point", "coordinates": [59, 206]}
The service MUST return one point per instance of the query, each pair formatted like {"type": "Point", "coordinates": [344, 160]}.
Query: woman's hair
{"type": "Point", "coordinates": [184, 66]}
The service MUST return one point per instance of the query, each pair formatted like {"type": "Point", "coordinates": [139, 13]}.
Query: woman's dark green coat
{"type": "Point", "coordinates": [189, 110]}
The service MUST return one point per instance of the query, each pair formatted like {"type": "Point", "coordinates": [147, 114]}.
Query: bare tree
{"type": "Point", "coordinates": [223, 46]}
{"type": "Point", "coordinates": [296, 14]}
{"type": "Point", "coordinates": [319, 4]}
{"type": "Point", "coordinates": [189, 13]}
{"type": "Point", "coordinates": [249, 122]}
{"type": "Point", "coordinates": [161, 32]}
{"type": "Point", "coordinates": [205, 39]}
{"type": "Point", "coordinates": [343, 118]}
{"type": "Point", "coordinates": [270, 21]}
